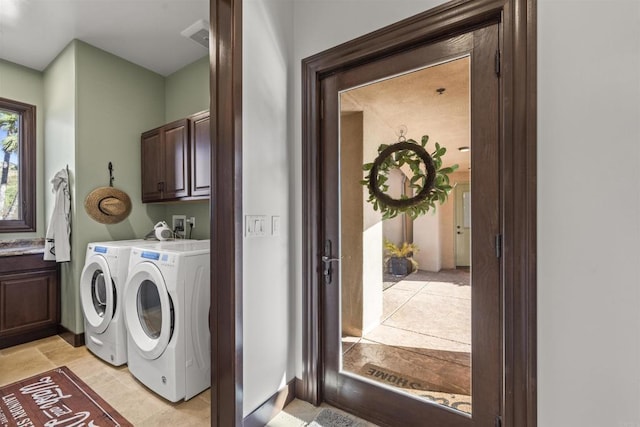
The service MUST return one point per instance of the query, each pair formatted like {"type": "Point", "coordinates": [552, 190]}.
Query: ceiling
{"type": "Point", "coordinates": [145, 32]}
{"type": "Point", "coordinates": [413, 100]}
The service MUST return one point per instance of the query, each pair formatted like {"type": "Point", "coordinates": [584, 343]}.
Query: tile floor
{"type": "Point", "coordinates": [423, 343]}
{"type": "Point", "coordinates": [122, 391]}
{"type": "Point", "coordinates": [300, 414]}
{"type": "Point", "coordinates": [115, 385]}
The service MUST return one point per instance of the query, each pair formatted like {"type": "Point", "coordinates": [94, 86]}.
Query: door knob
{"type": "Point", "coordinates": [327, 270]}
{"type": "Point", "coordinates": [326, 262]}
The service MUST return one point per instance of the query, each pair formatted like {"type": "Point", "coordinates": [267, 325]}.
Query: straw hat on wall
{"type": "Point", "coordinates": [108, 205]}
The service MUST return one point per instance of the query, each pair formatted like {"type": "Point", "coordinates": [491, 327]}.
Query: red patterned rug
{"type": "Point", "coordinates": [55, 398]}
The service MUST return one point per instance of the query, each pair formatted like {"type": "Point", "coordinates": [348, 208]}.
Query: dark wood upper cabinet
{"type": "Point", "coordinates": [175, 160]}
{"type": "Point", "coordinates": [151, 166]}
{"type": "Point", "coordinates": [200, 155]}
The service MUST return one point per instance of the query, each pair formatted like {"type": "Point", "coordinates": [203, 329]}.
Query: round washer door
{"type": "Point", "coordinates": [97, 293]}
{"type": "Point", "coordinates": [148, 310]}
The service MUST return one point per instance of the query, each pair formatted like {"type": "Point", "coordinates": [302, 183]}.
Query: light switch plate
{"type": "Point", "coordinates": [275, 225]}
{"type": "Point", "coordinates": [255, 225]}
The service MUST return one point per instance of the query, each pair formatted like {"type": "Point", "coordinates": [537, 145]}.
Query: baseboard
{"type": "Point", "coordinates": [76, 340]}
{"type": "Point", "coordinates": [272, 407]}
{"type": "Point", "coordinates": [28, 337]}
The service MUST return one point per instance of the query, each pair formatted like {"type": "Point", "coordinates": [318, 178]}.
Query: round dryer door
{"type": "Point", "coordinates": [148, 310]}
{"type": "Point", "coordinates": [97, 293]}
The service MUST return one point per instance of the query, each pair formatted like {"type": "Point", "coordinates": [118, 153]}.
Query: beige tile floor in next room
{"type": "Point", "coordinates": [122, 391]}
{"type": "Point", "coordinates": [114, 384]}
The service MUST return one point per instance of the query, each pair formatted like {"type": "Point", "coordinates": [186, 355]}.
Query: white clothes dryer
{"type": "Point", "coordinates": [101, 289]}
{"type": "Point", "coordinates": [166, 305]}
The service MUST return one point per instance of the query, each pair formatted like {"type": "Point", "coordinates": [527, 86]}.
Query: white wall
{"type": "Point", "coordinates": [393, 229]}
{"type": "Point", "coordinates": [588, 213]}
{"type": "Point", "coordinates": [427, 236]}
{"type": "Point", "coordinates": [267, 305]}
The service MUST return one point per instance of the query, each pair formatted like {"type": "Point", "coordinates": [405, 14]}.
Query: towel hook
{"type": "Point", "coordinates": [111, 178]}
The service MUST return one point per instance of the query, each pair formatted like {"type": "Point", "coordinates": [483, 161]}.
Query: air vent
{"type": "Point", "coordinates": [198, 32]}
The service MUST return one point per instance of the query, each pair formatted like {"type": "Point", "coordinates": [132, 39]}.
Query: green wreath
{"type": "Point", "coordinates": [431, 185]}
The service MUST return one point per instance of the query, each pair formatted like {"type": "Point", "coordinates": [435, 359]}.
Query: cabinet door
{"type": "Point", "coordinates": [152, 160]}
{"type": "Point", "coordinates": [176, 159]}
{"type": "Point", "coordinates": [29, 302]}
{"type": "Point", "coordinates": [200, 155]}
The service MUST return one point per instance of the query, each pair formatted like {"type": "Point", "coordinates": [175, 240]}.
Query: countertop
{"type": "Point", "coordinates": [21, 247]}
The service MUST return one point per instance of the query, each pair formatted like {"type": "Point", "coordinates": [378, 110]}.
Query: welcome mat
{"type": "Point", "coordinates": [430, 391]}
{"type": "Point", "coordinates": [329, 418]}
{"type": "Point", "coordinates": [55, 398]}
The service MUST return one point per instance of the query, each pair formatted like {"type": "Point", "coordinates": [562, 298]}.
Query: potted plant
{"type": "Point", "coordinates": [399, 259]}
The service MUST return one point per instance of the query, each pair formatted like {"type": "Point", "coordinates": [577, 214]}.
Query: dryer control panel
{"type": "Point", "coordinates": [159, 258]}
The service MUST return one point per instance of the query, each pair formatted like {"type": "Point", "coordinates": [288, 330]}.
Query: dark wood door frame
{"type": "Point", "coordinates": [518, 182]}
{"type": "Point", "coordinates": [225, 320]}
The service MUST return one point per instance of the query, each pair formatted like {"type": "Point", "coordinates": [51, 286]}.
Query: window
{"type": "Point", "coordinates": [18, 166]}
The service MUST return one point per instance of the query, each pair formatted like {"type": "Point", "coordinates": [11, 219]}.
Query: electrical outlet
{"type": "Point", "coordinates": [192, 221]}
{"type": "Point", "coordinates": [179, 223]}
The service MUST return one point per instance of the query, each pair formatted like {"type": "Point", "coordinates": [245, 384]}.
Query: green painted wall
{"type": "Point", "coordinates": [187, 90]}
{"type": "Point", "coordinates": [26, 85]}
{"type": "Point", "coordinates": [186, 93]}
{"type": "Point", "coordinates": [60, 151]}
{"type": "Point", "coordinates": [116, 101]}
{"type": "Point", "coordinates": [97, 106]}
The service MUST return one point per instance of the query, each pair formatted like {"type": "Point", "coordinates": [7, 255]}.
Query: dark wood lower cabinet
{"type": "Point", "coordinates": [29, 299]}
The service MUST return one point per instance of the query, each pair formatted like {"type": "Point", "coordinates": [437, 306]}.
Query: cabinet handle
{"type": "Point", "coordinates": [161, 186]}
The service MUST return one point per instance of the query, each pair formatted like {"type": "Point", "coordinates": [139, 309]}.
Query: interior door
{"type": "Point", "coordinates": [350, 258]}
{"type": "Point", "coordinates": [463, 225]}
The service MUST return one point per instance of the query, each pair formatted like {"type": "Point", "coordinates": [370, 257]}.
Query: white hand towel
{"type": "Point", "coordinates": [57, 247]}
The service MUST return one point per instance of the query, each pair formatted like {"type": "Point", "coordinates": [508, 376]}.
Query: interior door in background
{"type": "Point", "coordinates": [462, 194]}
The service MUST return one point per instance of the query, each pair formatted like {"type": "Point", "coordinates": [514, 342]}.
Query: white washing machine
{"type": "Point", "coordinates": [101, 289]}
{"type": "Point", "coordinates": [166, 303]}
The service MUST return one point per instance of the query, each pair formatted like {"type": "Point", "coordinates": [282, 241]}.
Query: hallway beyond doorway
{"type": "Point", "coordinates": [423, 343]}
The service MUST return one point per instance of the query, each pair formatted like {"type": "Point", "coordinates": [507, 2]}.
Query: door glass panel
{"type": "Point", "coordinates": [149, 309]}
{"type": "Point", "coordinates": [406, 281]}
{"type": "Point", "coordinates": [99, 292]}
